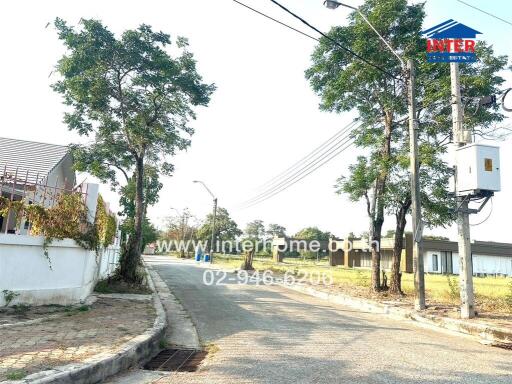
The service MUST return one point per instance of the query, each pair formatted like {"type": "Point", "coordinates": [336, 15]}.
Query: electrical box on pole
{"type": "Point", "coordinates": [478, 170]}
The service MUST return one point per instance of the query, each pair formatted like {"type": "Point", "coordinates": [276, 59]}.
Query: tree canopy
{"type": "Point", "coordinates": [255, 230]}
{"type": "Point", "coordinates": [134, 101]}
{"type": "Point", "coordinates": [275, 230]}
{"type": "Point", "coordinates": [312, 233]}
{"type": "Point", "coordinates": [226, 229]}
{"type": "Point", "coordinates": [380, 175]}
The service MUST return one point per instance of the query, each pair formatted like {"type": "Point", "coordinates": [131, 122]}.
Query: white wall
{"type": "Point", "coordinates": [456, 262]}
{"type": "Point", "coordinates": [67, 278]}
{"type": "Point", "coordinates": [427, 261]}
{"type": "Point", "coordinates": [486, 264]}
{"type": "Point", "coordinates": [492, 264]}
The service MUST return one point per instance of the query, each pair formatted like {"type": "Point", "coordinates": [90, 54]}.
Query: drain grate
{"type": "Point", "coordinates": [503, 345]}
{"type": "Point", "coordinates": [176, 360]}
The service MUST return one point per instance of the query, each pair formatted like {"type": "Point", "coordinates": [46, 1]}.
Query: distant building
{"type": "Point", "coordinates": [150, 249]}
{"type": "Point", "coordinates": [439, 256]}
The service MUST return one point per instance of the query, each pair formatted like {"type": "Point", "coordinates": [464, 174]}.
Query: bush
{"type": "Point", "coordinates": [508, 297]}
{"type": "Point", "coordinates": [67, 219]}
{"type": "Point", "coordinates": [105, 224]}
{"type": "Point", "coordinates": [453, 288]}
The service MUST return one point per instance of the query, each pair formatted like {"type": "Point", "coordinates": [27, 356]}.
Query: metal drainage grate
{"type": "Point", "coordinates": [503, 345]}
{"type": "Point", "coordinates": [176, 360]}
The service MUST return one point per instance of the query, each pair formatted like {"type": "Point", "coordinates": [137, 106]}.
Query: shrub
{"type": "Point", "coordinates": [508, 297]}
{"type": "Point", "coordinates": [67, 219]}
{"type": "Point", "coordinates": [453, 288]}
{"type": "Point", "coordinates": [105, 224]}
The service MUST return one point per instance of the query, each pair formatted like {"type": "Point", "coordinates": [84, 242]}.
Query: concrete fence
{"type": "Point", "coordinates": [66, 277]}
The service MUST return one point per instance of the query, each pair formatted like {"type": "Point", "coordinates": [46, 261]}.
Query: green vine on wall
{"type": "Point", "coordinates": [105, 223]}
{"type": "Point", "coordinates": [66, 219]}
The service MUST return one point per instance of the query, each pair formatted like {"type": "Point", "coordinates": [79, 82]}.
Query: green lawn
{"type": "Point", "coordinates": [492, 294]}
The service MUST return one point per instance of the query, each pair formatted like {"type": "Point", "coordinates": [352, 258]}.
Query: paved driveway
{"type": "Point", "coordinates": [268, 334]}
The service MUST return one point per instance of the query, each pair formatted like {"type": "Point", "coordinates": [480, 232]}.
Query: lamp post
{"type": "Point", "coordinates": [210, 248]}
{"type": "Point", "coordinates": [419, 278]}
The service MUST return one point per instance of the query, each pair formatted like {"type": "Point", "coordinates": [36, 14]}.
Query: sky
{"type": "Point", "coordinates": [262, 118]}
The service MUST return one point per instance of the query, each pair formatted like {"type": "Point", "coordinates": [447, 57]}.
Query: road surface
{"type": "Point", "coordinates": [269, 334]}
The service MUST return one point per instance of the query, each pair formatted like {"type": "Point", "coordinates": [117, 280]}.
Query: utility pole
{"type": "Point", "coordinates": [210, 248]}
{"type": "Point", "coordinates": [460, 138]}
{"type": "Point", "coordinates": [417, 254]}
{"type": "Point", "coordinates": [213, 228]}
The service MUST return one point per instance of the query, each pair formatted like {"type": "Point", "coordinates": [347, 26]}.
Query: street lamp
{"type": "Point", "coordinates": [419, 279]}
{"type": "Point", "coordinates": [210, 248]}
{"type": "Point", "coordinates": [331, 4]}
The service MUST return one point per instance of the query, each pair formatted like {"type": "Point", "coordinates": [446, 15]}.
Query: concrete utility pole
{"type": "Point", "coordinates": [417, 254]}
{"type": "Point", "coordinates": [213, 228]}
{"type": "Point", "coordinates": [460, 138]}
{"type": "Point", "coordinates": [210, 248]}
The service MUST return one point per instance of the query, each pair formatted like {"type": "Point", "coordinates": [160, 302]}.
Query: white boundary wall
{"type": "Point", "coordinates": [482, 264]}
{"type": "Point", "coordinates": [67, 278]}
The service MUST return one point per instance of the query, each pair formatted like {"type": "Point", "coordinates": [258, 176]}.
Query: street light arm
{"type": "Point", "coordinates": [382, 38]}
{"type": "Point", "coordinates": [208, 189]}
{"type": "Point", "coordinates": [334, 4]}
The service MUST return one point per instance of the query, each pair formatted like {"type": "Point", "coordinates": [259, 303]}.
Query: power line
{"type": "Point", "coordinates": [311, 154]}
{"type": "Point", "coordinates": [308, 166]}
{"type": "Point", "coordinates": [302, 177]}
{"type": "Point", "coordinates": [292, 178]}
{"type": "Point", "coordinates": [335, 42]}
{"type": "Point", "coordinates": [487, 13]}
{"type": "Point", "coordinates": [275, 20]}
{"type": "Point", "coordinates": [484, 220]}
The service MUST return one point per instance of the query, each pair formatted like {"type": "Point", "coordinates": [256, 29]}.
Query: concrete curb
{"type": "Point", "coordinates": [95, 369]}
{"type": "Point", "coordinates": [486, 333]}
{"type": "Point", "coordinates": [181, 330]}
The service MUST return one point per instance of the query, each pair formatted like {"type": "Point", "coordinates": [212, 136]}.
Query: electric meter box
{"type": "Point", "coordinates": [478, 169]}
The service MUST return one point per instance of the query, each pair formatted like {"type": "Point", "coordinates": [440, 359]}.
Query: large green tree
{"type": "Point", "coordinates": [255, 230]}
{"type": "Point", "coordinates": [380, 176]}
{"type": "Point", "coordinates": [345, 83]}
{"type": "Point", "coordinates": [275, 230]}
{"type": "Point", "coordinates": [436, 202]}
{"type": "Point", "coordinates": [226, 229]}
{"type": "Point", "coordinates": [134, 101]}
{"type": "Point", "coordinates": [312, 233]}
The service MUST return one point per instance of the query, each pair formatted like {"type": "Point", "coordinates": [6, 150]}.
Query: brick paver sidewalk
{"type": "Point", "coordinates": [72, 337]}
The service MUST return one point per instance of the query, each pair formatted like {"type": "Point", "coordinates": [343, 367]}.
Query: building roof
{"type": "Point", "coordinates": [39, 159]}
{"type": "Point", "coordinates": [451, 29]}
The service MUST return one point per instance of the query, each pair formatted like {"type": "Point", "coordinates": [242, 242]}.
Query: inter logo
{"type": "Point", "coordinates": [451, 41]}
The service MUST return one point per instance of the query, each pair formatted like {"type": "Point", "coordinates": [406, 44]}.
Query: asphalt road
{"type": "Point", "coordinates": [269, 334]}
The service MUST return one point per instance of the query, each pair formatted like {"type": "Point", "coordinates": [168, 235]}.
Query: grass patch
{"type": "Point", "coordinates": [15, 375]}
{"type": "Point", "coordinates": [119, 286]}
{"type": "Point", "coordinates": [492, 294]}
{"type": "Point", "coordinates": [162, 344]}
{"type": "Point", "coordinates": [212, 349]}
{"type": "Point", "coordinates": [21, 309]}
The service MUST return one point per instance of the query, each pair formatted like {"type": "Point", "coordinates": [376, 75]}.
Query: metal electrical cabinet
{"type": "Point", "coordinates": [478, 169]}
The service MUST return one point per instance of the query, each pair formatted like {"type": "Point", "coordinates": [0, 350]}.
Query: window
{"type": "Point", "coordinates": [446, 262]}
{"type": "Point", "coordinates": [435, 263]}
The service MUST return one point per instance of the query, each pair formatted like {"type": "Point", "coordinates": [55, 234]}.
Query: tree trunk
{"type": "Point", "coordinates": [247, 263]}
{"type": "Point", "coordinates": [376, 211]}
{"type": "Point", "coordinates": [130, 260]}
{"type": "Point", "coordinates": [395, 285]}
{"type": "Point", "coordinates": [375, 237]}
